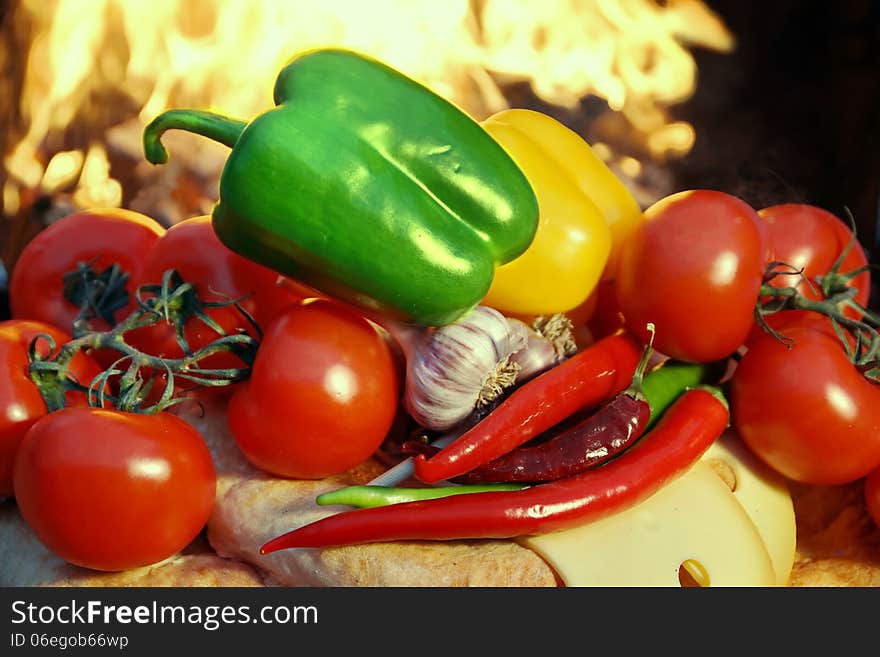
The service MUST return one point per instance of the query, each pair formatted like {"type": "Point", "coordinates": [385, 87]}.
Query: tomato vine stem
{"type": "Point", "coordinates": [860, 337]}
{"type": "Point", "coordinates": [175, 301]}
{"type": "Point", "coordinates": [99, 294]}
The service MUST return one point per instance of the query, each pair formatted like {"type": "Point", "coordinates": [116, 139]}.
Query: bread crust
{"type": "Point", "coordinates": [838, 543]}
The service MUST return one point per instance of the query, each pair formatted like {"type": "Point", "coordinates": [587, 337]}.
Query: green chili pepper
{"type": "Point", "coordinates": [367, 186]}
{"type": "Point", "coordinates": [665, 384]}
{"type": "Point", "coordinates": [373, 496]}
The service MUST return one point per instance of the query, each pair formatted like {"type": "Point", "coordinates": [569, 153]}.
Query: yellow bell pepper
{"type": "Point", "coordinates": [585, 215]}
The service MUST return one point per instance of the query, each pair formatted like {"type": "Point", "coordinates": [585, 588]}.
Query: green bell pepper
{"type": "Point", "coordinates": [367, 186]}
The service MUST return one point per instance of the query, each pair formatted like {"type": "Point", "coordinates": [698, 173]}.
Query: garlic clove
{"type": "Point", "coordinates": [550, 341]}
{"type": "Point", "coordinates": [461, 366]}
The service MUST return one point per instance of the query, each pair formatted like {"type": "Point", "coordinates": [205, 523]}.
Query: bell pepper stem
{"type": "Point", "coordinates": [213, 126]}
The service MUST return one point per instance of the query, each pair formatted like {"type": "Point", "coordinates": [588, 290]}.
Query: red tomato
{"type": "Point", "coordinates": [109, 490]}
{"type": "Point", "coordinates": [806, 410]}
{"type": "Point", "coordinates": [322, 395]}
{"type": "Point", "coordinates": [193, 249]}
{"type": "Point", "coordinates": [872, 495]}
{"type": "Point", "coordinates": [103, 237]}
{"type": "Point", "coordinates": [811, 238]}
{"type": "Point", "coordinates": [20, 401]}
{"type": "Point", "coordinates": [693, 268]}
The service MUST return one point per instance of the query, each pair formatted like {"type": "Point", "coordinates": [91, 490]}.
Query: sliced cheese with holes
{"type": "Point", "coordinates": [695, 518]}
{"type": "Point", "coordinates": [765, 496]}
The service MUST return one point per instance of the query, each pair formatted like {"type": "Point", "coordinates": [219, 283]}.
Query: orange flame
{"type": "Point", "coordinates": [224, 54]}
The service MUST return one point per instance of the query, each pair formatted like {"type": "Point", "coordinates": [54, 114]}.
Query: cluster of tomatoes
{"type": "Point", "coordinates": [804, 393]}
{"type": "Point", "coordinates": [112, 489]}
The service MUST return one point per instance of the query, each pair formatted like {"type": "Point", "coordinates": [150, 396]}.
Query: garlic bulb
{"type": "Point", "coordinates": [462, 366]}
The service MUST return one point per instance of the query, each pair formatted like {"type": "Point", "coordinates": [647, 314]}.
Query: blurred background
{"type": "Point", "coordinates": [773, 102]}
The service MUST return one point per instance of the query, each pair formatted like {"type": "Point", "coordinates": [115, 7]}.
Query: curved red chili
{"type": "Point", "coordinates": [591, 376]}
{"type": "Point", "coordinates": [686, 430]}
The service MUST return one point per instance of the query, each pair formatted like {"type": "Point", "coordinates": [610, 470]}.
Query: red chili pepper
{"type": "Point", "coordinates": [686, 430]}
{"type": "Point", "coordinates": [589, 377]}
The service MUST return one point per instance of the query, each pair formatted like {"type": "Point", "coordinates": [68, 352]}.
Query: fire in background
{"type": "Point", "coordinates": [86, 76]}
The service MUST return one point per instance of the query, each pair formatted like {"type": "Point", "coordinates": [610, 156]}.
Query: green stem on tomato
{"type": "Point", "coordinates": [864, 331]}
{"type": "Point", "coordinates": [98, 294]}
